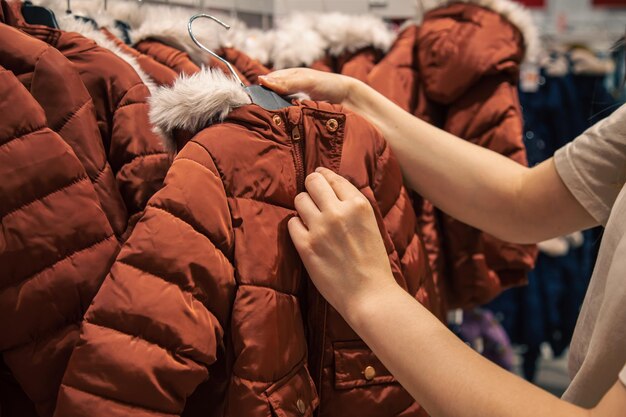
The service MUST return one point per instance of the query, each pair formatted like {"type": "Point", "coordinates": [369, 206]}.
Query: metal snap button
{"type": "Point", "coordinates": [369, 373]}
{"type": "Point", "coordinates": [332, 125]}
{"type": "Point", "coordinates": [277, 120]}
{"type": "Point", "coordinates": [301, 406]}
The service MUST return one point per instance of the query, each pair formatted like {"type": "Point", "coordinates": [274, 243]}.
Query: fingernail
{"type": "Point", "coordinates": [319, 169]}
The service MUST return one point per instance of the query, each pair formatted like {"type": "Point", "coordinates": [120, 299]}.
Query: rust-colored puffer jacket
{"type": "Point", "coordinates": [160, 73]}
{"type": "Point", "coordinates": [247, 69]}
{"type": "Point", "coordinates": [56, 247]}
{"type": "Point", "coordinates": [57, 87]}
{"type": "Point", "coordinates": [332, 42]}
{"type": "Point", "coordinates": [355, 64]}
{"type": "Point", "coordinates": [208, 309]}
{"type": "Point", "coordinates": [250, 68]}
{"type": "Point", "coordinates": [168, 41]}
{"type": "Point", "coordinates": [459, 71]}
{"type": "Point", "coordinates": [136, 154]}
{"type": "Point", "coordinates": [169, 56]}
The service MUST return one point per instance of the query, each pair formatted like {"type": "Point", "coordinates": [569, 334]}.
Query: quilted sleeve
{"type": "Point", "coordinates": [56, 246]}
{"type": "Point", "coordinates": [157, 323]}
{"type": "Point", "coordinates": [483, 266]}
{"type": "Point", "coordinates": [136, 154]}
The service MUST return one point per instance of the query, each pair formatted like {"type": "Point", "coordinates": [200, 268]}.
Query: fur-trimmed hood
{"type": "Point", "coordinates": [87, 8]}
{"type": "Point", "coordinates": [169, 25]}
{"type": "Point", "coordinates": [518, 15]}
{"type": "Point", "coordinates": [194, 102]}
{"type": "Point", "coordinates": [131, 12]}
{"type": "Point", "coordinates": [69, 24]}
{"type": "Point", "coordinates": [321, 33]}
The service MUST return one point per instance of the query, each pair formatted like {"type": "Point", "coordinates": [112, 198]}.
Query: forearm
{"type": "Point", "coordinates": [444, 375]}
{"type": "Point", "coordinates": [471, 183]}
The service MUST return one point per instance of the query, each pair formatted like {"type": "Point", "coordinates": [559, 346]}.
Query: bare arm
{"type": "Point", "coordinates": [472, 184]}
{"type": "Point", "coordinates": [341, 247]}
{"type": "Point", "coordinates": [444, 375]}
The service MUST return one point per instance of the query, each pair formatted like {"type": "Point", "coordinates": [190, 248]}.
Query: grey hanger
{"type": "Point", "coordinates": [259, 95]}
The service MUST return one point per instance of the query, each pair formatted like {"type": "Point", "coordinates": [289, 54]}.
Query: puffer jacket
{"type": "Point", "coordinates": [459, 71]}
{"type": "Point", "coordinates": [56, 247]}
{"type": "Point", "coordinates": [160, 73]}
{"type": "Point", "coordinates": [250, 68]}
{"type": "Point", "coordinates": [136, 154]}
{"type": "Point", "coordinates": [354, 64]}
{"type": "Point", "coordinates": [332, 42]}
{"type": "Point", "coordinates": [169, 56]}
{"type": "Point", "coordinates": [161, 37]}
{"type": "Point", "coordinates": [57, 87]}
{"type": "Point", "coordinates": [208, 309]}
{"type": "Point", "coordinates": [246, 68]}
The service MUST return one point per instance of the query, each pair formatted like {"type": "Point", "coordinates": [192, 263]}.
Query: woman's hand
{"type": "Point", "coordinates": [338, 239]}
{"type": "Point", "coordinates": [320, 86]}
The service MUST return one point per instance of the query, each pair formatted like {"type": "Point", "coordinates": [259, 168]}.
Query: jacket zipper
{"type": "Point", "coordinates": [300, 176]}
{"type": "Point", "coordinates": [318, 302]}
{"type": "Point", "coordinates": [299, 157]}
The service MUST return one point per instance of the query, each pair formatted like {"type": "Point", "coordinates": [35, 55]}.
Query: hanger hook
{"type": "Point", "coordinates": [204, 48]}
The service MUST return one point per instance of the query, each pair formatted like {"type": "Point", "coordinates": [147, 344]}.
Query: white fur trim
{"type": "Point", "coordinates": [257, 44]}
{"type": "Point", "coordinates": [130, 12]}
{"type": "Point", "coordinates": [302, 38]}
{"type": "Point", "coordinates": [164, 23]}
{"type": "Point", "coordinates": [291, 49]}
{"type": "Point", "coordinates": [514, 12]}
{"type": "Point", "coordinates": [69, 24]}
{"type": "Point", "coordinates": [347, 33]}
{"type": "Point", "coordinates": [195, 101]}
{"type": "Point", "coordinates": [169, 25]}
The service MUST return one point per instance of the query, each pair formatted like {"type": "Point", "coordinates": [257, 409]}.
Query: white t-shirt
{"type": "Point", "coordinates": [593, 167]}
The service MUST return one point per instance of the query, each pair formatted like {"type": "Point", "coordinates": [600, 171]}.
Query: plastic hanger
{"type": "Point", "coordinates": [259, 95]}
{"type": "Point", "coordinates": [38, 15]}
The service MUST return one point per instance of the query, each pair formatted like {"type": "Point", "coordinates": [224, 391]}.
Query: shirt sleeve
{"type": "Point", "coordinates": [593, 166]}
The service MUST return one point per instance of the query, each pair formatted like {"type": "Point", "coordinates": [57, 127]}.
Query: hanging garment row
{"type": "Point", "coordinates": [138, 285]}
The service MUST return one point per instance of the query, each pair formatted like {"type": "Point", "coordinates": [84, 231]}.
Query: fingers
{"type": "Point", "coordinates": [321, 192]}
{"type": "Point", "coordinates": [343, 189]}
{"type": "Point", "coordinates": [298, 232]}
{"type": "Point", "coordinates": [306, 208]}
{"type": "Point", "coordinates": [284, 82]}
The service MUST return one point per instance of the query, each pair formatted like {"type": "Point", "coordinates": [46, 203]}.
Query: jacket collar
{"type": "Point", "coordinates": [515, 13]}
